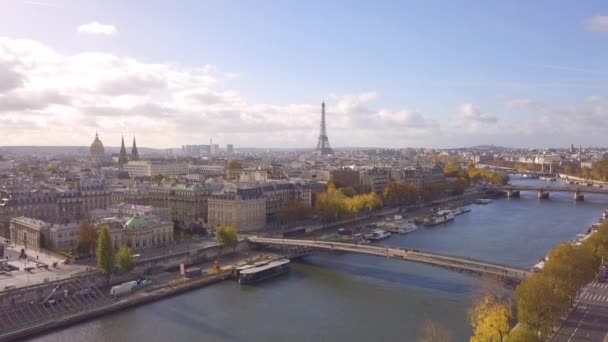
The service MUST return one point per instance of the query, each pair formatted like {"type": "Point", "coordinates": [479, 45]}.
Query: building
{"type": "Point", "coordinates": [207, 170]}
{"type": "Point", "coordinates": [419, 176]}
{"type": "Point", "coordinates": [63, 236]}
{"type": "Point", "coordinates": [134, 151]}
{"type": "Point", "coordinates": [229, 149]}
{"type": "Point", "coordinates": [141, 232]}
{"type": "Point", "coordinates": [124, 209]}
{"type": "Point", "coordinates": [122, 157]}
{"type": "Point", "coordinates": [187, 203]}
{"type": "Point", "coordinates": [97, 151]}
{"type": "Point", "coordinates": [374, 180]}
{"type": "Point", "coordinates": [148, 168]}
{"type": "Point", "coordinates": [28, 232]}
{"type": "Point", "coordinates": [93, 194]}
{"type": "Point", "coordinates": [40, 205]}
{"type": "Point", "coordinates": [245, 210]}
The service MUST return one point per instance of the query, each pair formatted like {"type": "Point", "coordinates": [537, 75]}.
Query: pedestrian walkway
{"type": "Point", "coordinates": [595, 297]}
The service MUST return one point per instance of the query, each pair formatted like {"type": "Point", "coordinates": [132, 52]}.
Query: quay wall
{"type": "Point", "coordinates": [116, 306]}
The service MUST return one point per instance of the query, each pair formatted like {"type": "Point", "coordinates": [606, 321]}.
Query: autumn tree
{"type": "Point", "coordinates": [227, 237]}
{"type": "Point", "coordinates": [105, 252]}
{"type": "Point", "coordinates": [234, 165]}
{"type": "Point", "coordinates": [539, 303]}
{"type": "Point", "coordinates": [490, 319]}
{"type": "Point", "coordinates": [331, 203]}
{"type": "Point", "coordinates": [293, 211]}
{"type": "Point", "coordinates": [348, 191]}
{"type": "Point", "coordinates": [572, 266]}
{"type": "Point", "coordinates": [124, 259]}
{"type": "Point", "coordinates": [434, 332]}
{"type": "Point", "coordinates": [399, 193]}
{"type": "Point", "coordinates": [87, 236]}
{"type": "Point", "coordinates": [452, 169]}
{"type": "Point", "coordinates": [157, 178]}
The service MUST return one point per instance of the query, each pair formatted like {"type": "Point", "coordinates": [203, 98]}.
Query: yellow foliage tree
{"type": "Point", "coordinates": [490, 320]}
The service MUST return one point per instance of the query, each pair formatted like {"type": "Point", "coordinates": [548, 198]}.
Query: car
{"type": "Point", "coordinates": [85, 293]}
{"type": "Point", "coordinates": [50, 302]}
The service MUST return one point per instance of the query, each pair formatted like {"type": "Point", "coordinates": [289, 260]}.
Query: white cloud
{"type": "Point", "coordinates": [97, 28]}
{"type": "Point", "coordinates": [597, 23]}
{"type": "Point", "coordinates": [469, 113]}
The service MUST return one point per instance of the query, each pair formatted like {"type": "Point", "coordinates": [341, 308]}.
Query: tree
{"type": "Point", "coordinates": [87, 236]}
{"type": "Point", "coordinates": [105, 252]}
{"type": "Point", "coordinates": [157, 178]}
{"type": "Point", "coordinates": [293, 211]}
{"type": "Point", "coordinates": [227, 236]}
{"type": "Point", "coordinates": [572, 267]}
{"type": "Point", "coordinates": [399, 193]}
{"type": "Point", "coordinates": [490, 319]}
{"type": "Point", "coordinates": [452, 169]}
{"type": "Point", "coordinates": [348, 191]}
{"type": "Point", "coordinates": [234, 165]}
{"type": "Point", "coordinates": [124, 259]}
{"type": "Point", "coordinates": [539, 303]}
{"type": "Point", "coordinates": [434, 332]}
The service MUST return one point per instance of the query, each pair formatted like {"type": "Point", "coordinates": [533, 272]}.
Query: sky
{"type": "Point", "coordinates": [254, 73]}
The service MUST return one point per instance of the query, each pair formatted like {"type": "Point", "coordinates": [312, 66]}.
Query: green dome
{"type": "Point", "coordinates": [136, 222]}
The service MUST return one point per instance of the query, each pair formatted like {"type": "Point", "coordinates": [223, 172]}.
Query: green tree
{"type": "Point", "coordinates": [105, 252]}
{"type": "Point", "coordinates": [434, 332]}
{"type": "Point", "coordinates": [124, 259]}
{"type": "Point", "coordinates": [227, 237]}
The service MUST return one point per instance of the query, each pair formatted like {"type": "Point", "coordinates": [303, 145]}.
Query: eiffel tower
{"type": "Point", "coordinates": [323, 147]}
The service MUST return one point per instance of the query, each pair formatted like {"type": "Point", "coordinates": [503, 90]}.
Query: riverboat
{"type": "Point", "coordinates": [407, 227]}
{"type": "Point", "coordinates": [461, 210]}
{"type": "Point", "coordinates": [259, 273]}
{"type": "Point", "coordinates": [440, 217]}
{"type": "Point", "coordinates": [378, 234]}
{"type": "Point", "coordinates": [483, 201]}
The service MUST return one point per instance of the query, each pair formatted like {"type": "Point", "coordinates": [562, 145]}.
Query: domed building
{"type": "Point", "coordinates": [97, 151]}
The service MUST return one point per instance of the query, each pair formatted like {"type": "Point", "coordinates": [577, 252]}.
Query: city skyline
{"type": "Point", "coordinates": [397, 81]}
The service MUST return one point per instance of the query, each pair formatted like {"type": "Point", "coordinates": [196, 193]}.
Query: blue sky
{"type": "Point", "coordinates": [394, 74]}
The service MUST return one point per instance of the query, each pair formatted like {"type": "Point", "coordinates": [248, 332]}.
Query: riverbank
{"type": "Point", "coordinates": [121, 304]}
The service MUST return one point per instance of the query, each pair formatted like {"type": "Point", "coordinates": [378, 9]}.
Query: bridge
{"type": "Point", "coordinates": [544, 191]}
{"type": "Point", "coordinates": [510, 275]}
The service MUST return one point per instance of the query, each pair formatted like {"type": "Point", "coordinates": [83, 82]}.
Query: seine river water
{"type": "Point", "coordinates": [359, 298]}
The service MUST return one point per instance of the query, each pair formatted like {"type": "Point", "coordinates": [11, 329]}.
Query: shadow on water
{"type": "Point", "coordinates": [184, 314]}
{"type": "Point", "coordinates": [402, 275]}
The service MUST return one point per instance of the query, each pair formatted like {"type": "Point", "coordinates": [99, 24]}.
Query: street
{"type": "Point", "coordinates": [589, 320]}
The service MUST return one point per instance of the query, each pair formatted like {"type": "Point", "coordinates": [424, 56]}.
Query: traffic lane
{"type": "Point", "coordinates": [588, 322]}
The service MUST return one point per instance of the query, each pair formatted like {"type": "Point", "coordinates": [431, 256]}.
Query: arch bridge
{"type": "Point", "coordinates": [296, 247]}
{"type": "Point", "coordinates": [544, 191]}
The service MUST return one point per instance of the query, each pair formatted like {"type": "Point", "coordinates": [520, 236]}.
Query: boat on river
{"type": "Point", "coordinates": [440, 217]}
{"type": "Point", "coordinates": [483, 201]}
{"type": "Point", "coordinates": [461, 210]}
{"type": "Point", "coordinates": [378, 234]}
{"type": "Point", "coordinates": [259, 273]}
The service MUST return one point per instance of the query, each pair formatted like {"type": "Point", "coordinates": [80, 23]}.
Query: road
{"type": "Point", "coordinates": [589, 320]}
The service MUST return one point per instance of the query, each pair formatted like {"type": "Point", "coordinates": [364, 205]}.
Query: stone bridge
{"type": "Point", "coordinates": [510, 275]}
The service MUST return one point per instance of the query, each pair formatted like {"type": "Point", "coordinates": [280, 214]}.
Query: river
{"type": "Point", "coordinates": [359, 298]}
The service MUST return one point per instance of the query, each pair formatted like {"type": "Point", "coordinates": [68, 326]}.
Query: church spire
{"type": "Point", "coordinates": [122, 158]}
{"type": "Point", "coordinates": [134, 152]}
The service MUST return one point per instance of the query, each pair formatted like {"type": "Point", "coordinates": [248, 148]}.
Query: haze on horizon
{"type": "Point", "coordinates": [434, 74]}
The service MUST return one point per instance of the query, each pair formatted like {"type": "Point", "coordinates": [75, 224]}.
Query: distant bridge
{"type": "Point", "coordinates": [544, 191]}
{"type": "Point", "coordinates": [510, 275]}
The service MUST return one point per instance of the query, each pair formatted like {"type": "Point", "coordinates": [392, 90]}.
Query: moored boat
{"type": "Point", "coordinates": [461, 210]}
{"type": "Point", "coordinates": [259, 273]}
{"type": "Point", "coordinates": [378, 234]}
{"type": "Point", "coordinates": [440, 217]}
{"type": "Point", "coordinates": [483, 201]}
